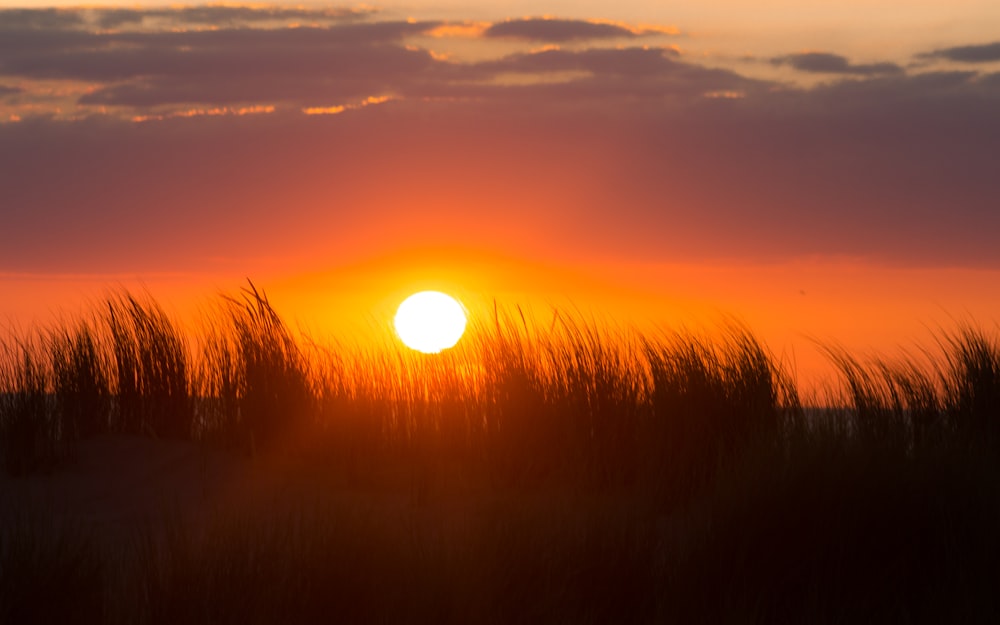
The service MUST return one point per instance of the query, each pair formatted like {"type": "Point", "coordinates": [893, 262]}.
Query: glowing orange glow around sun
{"type": "Point", "coordinates": [430, 321]}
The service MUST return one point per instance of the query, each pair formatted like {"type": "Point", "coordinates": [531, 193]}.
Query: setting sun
{"type": "Point", "coordinates": [430, 321]}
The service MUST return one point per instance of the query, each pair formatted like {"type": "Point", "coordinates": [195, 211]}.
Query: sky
{"type": "Point", "coordinates": [824, 171]}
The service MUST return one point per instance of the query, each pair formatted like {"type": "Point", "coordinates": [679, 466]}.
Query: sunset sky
{"type": "Point", "coordinates": [822, 170]}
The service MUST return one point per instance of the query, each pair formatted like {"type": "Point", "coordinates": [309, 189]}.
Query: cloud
{"type": "Point", "coordinates": [619, 61]}
{"type": "Point", "coordinates": [562, 30]}
{"type": "Point", "coordinates": [39, 19]}
{"type": "Point", "coordinates": [226, 66]}
{"type": "Point", "coordinates": [984, 53]}
{"type": "Point", "coordinates": [598, 74]}
{"type": "Point", "coordinates": [6, 90]}
{"type": "Point", "coordinates": [332, 66]}
{"type": "Point", "coordinates": [256, 73]}
{"type": "Point", "coordinates": [56, 52]}
{"type": "Point", "coordinates": [215, 16]}
{"type": "Point", "coordinates": [990, 80]}
{"type": "Point", "coordinates": [224, 16]}
{"type": "Point", "coordinates": [780, 174]}
{"type": "Point", "coordinates": [828, 63]}
{"type": "Point", "coordinates": [635, 151]}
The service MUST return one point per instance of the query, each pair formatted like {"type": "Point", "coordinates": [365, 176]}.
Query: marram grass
{"type": "Point", "coordinates": [601, 475]}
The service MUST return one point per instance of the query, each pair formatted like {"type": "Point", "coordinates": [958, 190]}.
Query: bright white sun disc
{"type": "Point", "coordinates": [430, 321]}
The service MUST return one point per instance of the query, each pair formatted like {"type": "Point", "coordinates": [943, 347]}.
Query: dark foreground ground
{"type": "Point", "coordinates": [135, 530]}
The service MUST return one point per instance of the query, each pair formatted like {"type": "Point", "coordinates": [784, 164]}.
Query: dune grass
{"type": "Point", "coordinates": [604, 475]}
{"type": "Point", "coordinates": [31, 435]}
{"type": "Point", "coordinates": [151, 378]}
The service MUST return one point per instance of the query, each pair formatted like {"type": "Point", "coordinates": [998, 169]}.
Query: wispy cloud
{"type": "Point", "coordinates": [211, 112]}
{"type": "Point", "coordinates": [829, 63]}
{"type": "Point", "coordinates": [40, 19]}
{"type": "Point", "coordinates": [137, 69]}
{"type": "Point", "coordinates": [552, 30]}
{"type": "Point", "coordinates": [984, 53]}
{"type": "Point", "coordinates": [225, 15]}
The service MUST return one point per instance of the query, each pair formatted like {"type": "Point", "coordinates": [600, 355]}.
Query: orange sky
{"type": "Point", "coordinates": [819, 170]}
{"type": "Point", "coordinates": [791, 306]}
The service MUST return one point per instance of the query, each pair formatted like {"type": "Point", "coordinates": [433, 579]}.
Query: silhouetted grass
{"type": "Point", "coordinates": [151, 367]}
{"type": "Point", "coordinates": [275, 398]}
{"type": "Point", "coordinates": [906, 405]}
{"type": "Point", "coordinates": [601, 475]}
{"type": "Point", "coordinates": [31, 435]}
{"type": "Point", "coordinates": [711, 401]}
{"type": "Point", "coordinates": [216, 387]}
{"type": "Point", "coordinates": [972, 384]}
{"type": "Point", "coordinates": [81, 381]}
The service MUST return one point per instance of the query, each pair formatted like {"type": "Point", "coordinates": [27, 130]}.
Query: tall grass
{"type": "Point", "coordinates": [972, 384]}
{"type": "Point", "coordinates": [151, 369]}
{"type": "Point", "coordinates": [31, 435]}
{"type": "Point", "coordinates": [710, 402]}
{"type": "Point", "coordinates": [275, 397]}
{"type": "Point", "coordinates": [517, 403]}
{"type": "Point", "coordinates": [80, 379]}
{"type": "Point", "coordinates": [909, 404]}
{"type": "Point", "coordinates": [606, 475]}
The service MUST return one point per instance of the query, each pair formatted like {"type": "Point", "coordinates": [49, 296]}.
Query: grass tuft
{"type": "Point", "coordinates": [151, 367]}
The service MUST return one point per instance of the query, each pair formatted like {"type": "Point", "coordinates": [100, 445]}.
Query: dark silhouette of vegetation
{"type": "Point", "coordinates": [605, 476]}
{"type": "Point", "coordinates": [275, 399]}
{"type": "Point", "coordinates": [30, 432]}
{"type": "Point", "coordinates": [80, 379]}
{"type": "Point", "coordinates": [151, 366]}
{"type": "Point", "coordinates": [972, 384]}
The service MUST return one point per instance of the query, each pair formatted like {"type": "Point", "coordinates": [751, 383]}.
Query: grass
{"type": "Point", "coordinates": [31, 432]}
{"type": "Point", "coordinates": [150, 369]}
{"type": "Point", "coordinates": [601, 475]}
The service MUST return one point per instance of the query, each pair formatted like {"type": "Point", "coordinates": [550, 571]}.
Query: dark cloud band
{"type": "Point", "coordinates": [827, 63]}
{"type": "Point", "coordinates": [557, 30]}
{"type": "Point", "coordinates": [985, 53]}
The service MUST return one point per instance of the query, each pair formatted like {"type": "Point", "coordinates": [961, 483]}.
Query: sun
{"type": "Point", "coordinates": [430, 321]}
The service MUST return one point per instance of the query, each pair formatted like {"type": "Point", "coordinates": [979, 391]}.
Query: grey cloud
{"type": "Point", "coordinates": [990, 80]}
{"type": "Point", "coordinates": [828, 63]}
{"type": "Point", "coordinates": [184, 16]}
{"type": "Point", "coordinates": [984, 53]}
{"type": "Point", "coordinates": [620, 61]}
{"type": "Point", "coordinates": [611, 73]}
{"type": "Point", "coordinates": [28, 48]}
{"type": "Point", "coordinates": [220, 15]}
{"type": "Point", "coordinates": [883, 93]}
{"type": "Point", "coordinates": [820, 173]}
{"type": "Point", "coordinates": [15, 44]}
{"type": "Point", "coordinates": [304, 37]}
{"type": "Point", "coordinates": [310, 65]}
{"type": "Point", "coordinates": [6, 91]}
{"type": "Point", "coordinates": [348, 49]}
{"type": "Point", "coordinates": [556, 30]}
{"type": "Point", "coordinates": [39, 19]}
{"type": "Point", "coordinates": [214, 79]}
